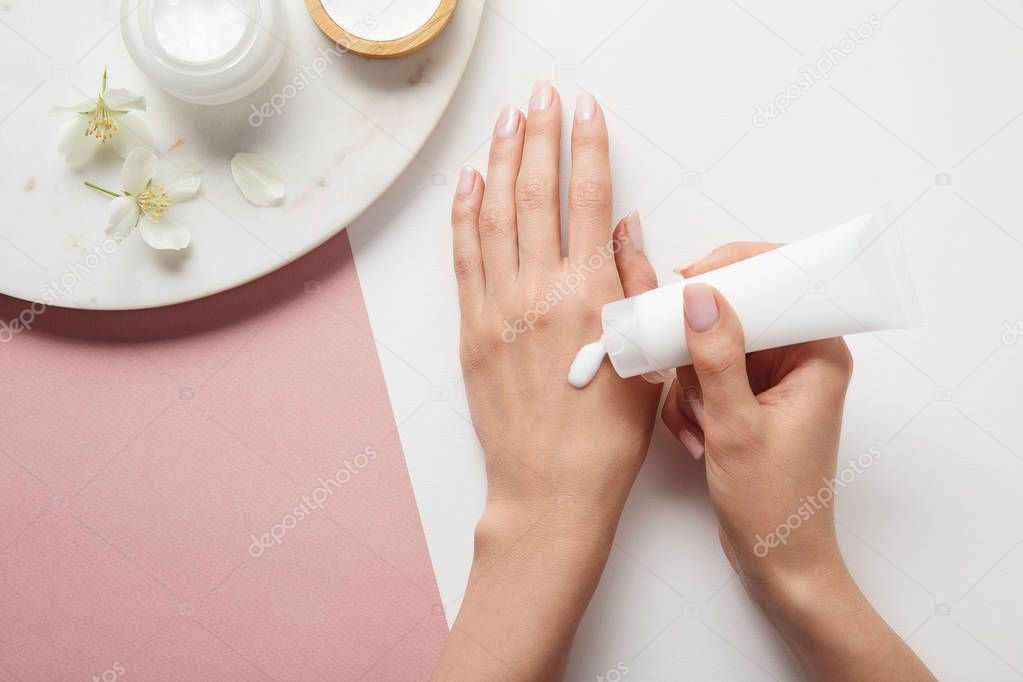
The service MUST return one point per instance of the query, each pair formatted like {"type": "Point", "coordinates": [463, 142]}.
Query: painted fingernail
{"type": "Point", "coordinates": [507, 122]}
{"type": "Point", "coordinates": [635, 230]}
{"type": "Point", "coordinates": [542, 96]}
{"type": "Point", "coordinates": [466, 181]}
{"type": "Point", "coordinates": [681, 270]}
{"type": "Point", "coordinates": [700, 307]}
{"type": "Point", "coordinates": [585, 108]}
{"type": "Point", "coordinates": [691, 443]}
{"type": "Point", "coordinates": [697, 406]}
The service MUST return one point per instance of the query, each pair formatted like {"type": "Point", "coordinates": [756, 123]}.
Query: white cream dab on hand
{"type": "Point", "coordinates": [586, 364]}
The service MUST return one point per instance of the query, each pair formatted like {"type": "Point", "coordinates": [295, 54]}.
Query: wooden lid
{"type": "Point", "coordinates": [382, 49]}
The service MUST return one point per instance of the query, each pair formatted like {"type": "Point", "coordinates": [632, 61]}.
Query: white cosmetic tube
{"type": "Point", "coordinates": [850, 279]}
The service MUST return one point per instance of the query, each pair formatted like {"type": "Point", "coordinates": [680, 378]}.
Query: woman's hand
{"type": "Point", "coordinates": [768, 426]}
{"type": "Point", "coordinates": [560, 461]}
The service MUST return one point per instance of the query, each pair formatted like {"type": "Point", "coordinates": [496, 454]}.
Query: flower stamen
{"type": "Point", "coordinates": [102, 125]}
{"type": "Point", "coordinates": [154, 202]}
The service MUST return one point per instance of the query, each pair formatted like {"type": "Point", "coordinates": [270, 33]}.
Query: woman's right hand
{"type": "Point", "coordinates": [768, 427]}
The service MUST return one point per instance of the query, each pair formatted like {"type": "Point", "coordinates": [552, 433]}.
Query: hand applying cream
{"type": "Point", "coordinates": [846, 280]}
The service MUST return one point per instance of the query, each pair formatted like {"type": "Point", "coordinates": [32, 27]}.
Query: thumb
{"type": "Point", "coordinates": [717, 346]}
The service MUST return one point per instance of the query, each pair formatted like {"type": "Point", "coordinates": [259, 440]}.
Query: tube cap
{"type": "Point", "coordinates": [621, 330]}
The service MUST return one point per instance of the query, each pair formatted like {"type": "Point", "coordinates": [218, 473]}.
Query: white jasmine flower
{"type": "Point", "coordinates": [99, 121]}
{"type": "Point", "coordinates": [149, 194]}
{"type": "Point", "coordinates": [258, 179]}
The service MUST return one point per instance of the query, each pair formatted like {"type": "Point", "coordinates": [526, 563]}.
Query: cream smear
{"type": "Point", "coordinates": [586, 364]}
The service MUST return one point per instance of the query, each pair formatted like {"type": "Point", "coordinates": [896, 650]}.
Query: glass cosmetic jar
{"type": "Point", "coordinates": [204, 51]}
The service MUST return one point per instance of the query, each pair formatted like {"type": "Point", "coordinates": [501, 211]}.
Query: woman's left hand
{"type": "Point", "coordinates": [560, 461]}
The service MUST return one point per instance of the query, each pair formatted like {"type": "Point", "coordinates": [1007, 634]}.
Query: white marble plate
{"type": "Point", "coordinates": [341, 129]}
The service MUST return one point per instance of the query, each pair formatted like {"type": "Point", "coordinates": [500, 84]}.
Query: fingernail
{"type": "Point", "coordinates": [542, 96]}
{"type": "Point", "coordinates": [635, 230]}
{"type": "Point", "coordinates": [466, 181]}
{"type": "Point", "coordinates": [691, 443]}
{"type": "Point", "coordinates": [585, 108]}
{"type": "Point", "coordinates": [507, 122]}
{"type": "Point", "coordinates": [691, 264]}
{"type": "Point", "coordinates": [700, 307]}
{"type": "Point", "coordinates": [698, 411]}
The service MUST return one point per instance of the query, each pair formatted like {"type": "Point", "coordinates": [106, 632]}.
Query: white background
{"type": "Point", "coordinates": [924, 115]}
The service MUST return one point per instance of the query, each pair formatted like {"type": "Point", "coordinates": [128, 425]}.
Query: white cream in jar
{"type": "Point", "coordinates": [204, 51]}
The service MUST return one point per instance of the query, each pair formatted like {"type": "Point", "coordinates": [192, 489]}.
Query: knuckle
{"type": "Point", "coordinates": [473, 354]}
{"type": "Point", "coordinates": [493, 220]}
{"type": "Point", "coordinates": [588, 195]}
{"type": "Point", "coordinates": [716, 361]}
{"type": "Point", "coordinates": [534, 193]}
{"type": "Point", "coordinates": [465, 264]}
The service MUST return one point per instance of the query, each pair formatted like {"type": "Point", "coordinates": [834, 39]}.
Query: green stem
{"type": "Point", "coordinates": [104, 90]}
{"type": "Point", "coordinates": [101, 189]}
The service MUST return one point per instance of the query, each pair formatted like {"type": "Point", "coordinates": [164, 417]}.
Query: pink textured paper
{"type": "Point", "coordinates": [141, 451]}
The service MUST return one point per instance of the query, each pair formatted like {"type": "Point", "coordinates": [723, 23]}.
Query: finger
{"type": "Point", "coordinates": [683, 428]}
{"type": "Point", "coordinates": [498, 238]}
{"type": "Point", "coordinates": [589, 194]}
{"type": "Point", "coordinates": [717, 346]}
{"type": "Point", "coordinates": [726, 254]}
{"type": "Point", "coordinates": [690, 395]}
{"type": "Point", "coordinates": [468, 259]}
{"type": "Point", "coordinates": [538, 198]}
{"type": "Point", "coordinates": [634, 269]}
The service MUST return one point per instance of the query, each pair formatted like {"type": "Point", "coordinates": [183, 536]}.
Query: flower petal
{"type": "Point", "coordinates": [179, 185]}
{"type": "Point", "coordinates": [74, 144]}
{"type": "Point", "coordinates": [258, 179]}
{"type": "Point", "coordinates": [122, 216]}
{"type": "Point", "coordinates": [134, 134]}
{"type": "Point", "coordinates": [83, 107]}
{"type": "Point", "coordinates": [138, 170]}
{"type": "Point", "coordinates": [119, 99]}
{"type": "Point", "coordinates": [166, 235]}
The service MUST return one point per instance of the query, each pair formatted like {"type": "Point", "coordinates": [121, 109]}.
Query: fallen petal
{"type": "Point", "coordinates": [258, 179]}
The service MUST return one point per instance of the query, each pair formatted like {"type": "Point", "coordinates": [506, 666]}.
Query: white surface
{"type": "Point", "coordinates": [341, 128]}
{"type": "Point", "coordinates": [381, 19]}
{"type": "Point", "coordinates": [939, 518]}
